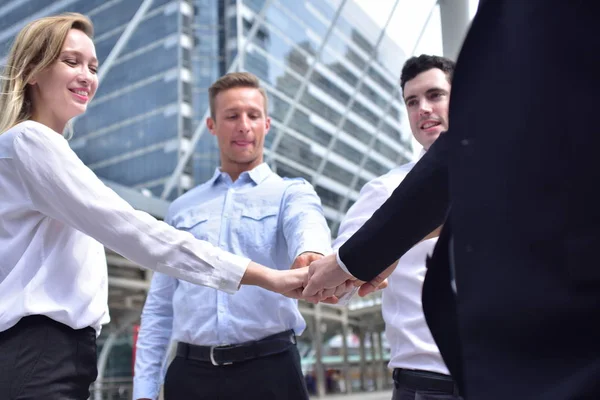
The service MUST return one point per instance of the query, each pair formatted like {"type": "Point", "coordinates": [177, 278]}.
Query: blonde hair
{"type": "Point", "coordinates": [234, 80]}
{"type": "Point", "coordinates": [35, 48]}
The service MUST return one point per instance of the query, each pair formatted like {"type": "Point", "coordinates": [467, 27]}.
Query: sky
{"type": "Point", "coordinates": [408, 20]}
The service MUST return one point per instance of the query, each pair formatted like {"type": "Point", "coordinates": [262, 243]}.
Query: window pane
{"type": "Point", "coordinates": [154, 129]}
{"type": "Point", "coordinates": [138, 68]}
{"type": "Point", "coordinates": [129, 104]}
{"type": "Point", "coordinates": [153, 165]}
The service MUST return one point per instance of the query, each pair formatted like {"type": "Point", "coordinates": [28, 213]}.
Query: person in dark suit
{"type": "Point", "coordinates": [512, 293]}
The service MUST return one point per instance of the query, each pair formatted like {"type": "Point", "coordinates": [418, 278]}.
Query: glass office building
{"type": "Point", "coordinates": [337, 113]}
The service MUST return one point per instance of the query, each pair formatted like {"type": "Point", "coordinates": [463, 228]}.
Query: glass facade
{"type": "Point", "coordinates": [133, 131]}
{"type": "Point", "coordinates": [332, 88]}
{"type": "Point", "coordinates": [333, 95]}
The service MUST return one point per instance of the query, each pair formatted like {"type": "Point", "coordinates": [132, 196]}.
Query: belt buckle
{"type": "Point", "coordinates": [212, 356]}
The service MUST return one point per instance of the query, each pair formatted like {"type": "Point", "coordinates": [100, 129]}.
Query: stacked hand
{"type": "Point", "coordinates": [303, 261]}
{"type": "Point", "coordinates": [316, 278]}
{"type": "Point", "coordinates": [326, 278]}
{"type": "Point", "coordinates": [327, 281]}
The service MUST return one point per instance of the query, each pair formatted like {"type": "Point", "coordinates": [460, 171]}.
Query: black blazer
{"type": "Point", "coordinates": [516, 177]}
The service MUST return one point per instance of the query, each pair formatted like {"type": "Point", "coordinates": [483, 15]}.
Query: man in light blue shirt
{"type": "Point", "coordinates": [242, 345]}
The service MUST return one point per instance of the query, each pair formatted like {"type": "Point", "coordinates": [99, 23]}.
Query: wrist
{"type": "Point", "coordinates": [258, 275]}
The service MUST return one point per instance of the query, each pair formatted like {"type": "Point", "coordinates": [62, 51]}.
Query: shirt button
{"type": "Point", "coordinates": [465, 142]}
{"type": "Point", "coordinates": [469, 248]}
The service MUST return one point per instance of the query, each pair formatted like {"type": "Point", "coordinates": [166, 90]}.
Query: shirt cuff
{"type": "Point", "coordinates": [341, 263]}
{"type": "Point", "coordinates": [144, 389]}
{"type": "Point", "coordinates": [232, 268]}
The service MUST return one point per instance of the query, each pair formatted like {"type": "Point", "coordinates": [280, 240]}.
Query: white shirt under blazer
{"type": "Point", "coordinates": [411, 343]}
{"type": "Point", "coordinates": [55, 217]}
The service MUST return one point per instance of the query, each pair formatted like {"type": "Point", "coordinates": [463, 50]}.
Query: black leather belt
{"type": "Point", "coordinates": [235, 353]}
{"type": "Point", "coordinates": [424, 380]}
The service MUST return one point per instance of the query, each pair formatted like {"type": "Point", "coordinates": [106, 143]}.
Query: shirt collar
{"type": "Point", "coordinates": [258, 174]}
{"type": "Point", "coordinates": [215, 176]}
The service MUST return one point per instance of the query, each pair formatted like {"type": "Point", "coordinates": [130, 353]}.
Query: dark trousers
{"type": "Point", "coordinates": [416, 387]}
{"type": "Point", "coordinates": [275, 377]}
{"type": "Point", "coordinates": [44, 359]}
{"type": "Point", "coordinates": [405, 393]}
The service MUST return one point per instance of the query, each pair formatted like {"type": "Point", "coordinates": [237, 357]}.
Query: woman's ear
{"type": "Point", "coordinates": [32, 79]}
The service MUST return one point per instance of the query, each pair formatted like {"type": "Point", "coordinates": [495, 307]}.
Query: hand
{"type": "Point", "coordinates": [284, 282]}
{"type": "Point", "coordinates": [377, 283]}
{"type": "Point", "coordinates": [346, 288]}
{"type": "Point", "coordinates": [288, 283]}
{"type": "Point", "coordinates": [325, 278]}
{"type": "Point", "coordinates": [304, 259]}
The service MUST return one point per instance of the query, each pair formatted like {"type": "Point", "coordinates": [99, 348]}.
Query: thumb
{"type": "Point", "coordinates": [379, 282]}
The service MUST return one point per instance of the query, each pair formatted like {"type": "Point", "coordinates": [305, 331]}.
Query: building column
{"type": "Point", "coordinates": [382, 364]}
{"type": "Point", "coordinates": [363, 359]}
{"type": "Point", "coordinates": [374, 362]}
{"type": "Point", "coordinates": [455, 24]}
{"type": "Point", "coordinates": [318, 341]}
{"type": "Point", "coordinates": [346, 367]}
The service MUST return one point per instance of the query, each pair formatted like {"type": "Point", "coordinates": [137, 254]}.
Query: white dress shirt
{"type": "Point", "coordinates": [411, 343]}
{"type": "Point", "coordinates": [54, 215]}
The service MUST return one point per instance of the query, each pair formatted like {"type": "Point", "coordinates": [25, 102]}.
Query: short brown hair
{"type": "Point", "coordinates": [35, 48]}
{"type": "Point", "coordinates": [234, 80]}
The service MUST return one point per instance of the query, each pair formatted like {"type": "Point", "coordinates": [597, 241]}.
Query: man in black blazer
{"type": "Point", "coordinates": [512, 293]}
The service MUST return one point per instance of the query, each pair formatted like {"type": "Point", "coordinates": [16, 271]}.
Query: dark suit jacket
{"type": "Point", "coordinates": [519, 171]}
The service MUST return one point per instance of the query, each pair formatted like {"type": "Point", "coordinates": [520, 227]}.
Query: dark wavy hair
{"type": "Point", "coordinates": [415, 65]}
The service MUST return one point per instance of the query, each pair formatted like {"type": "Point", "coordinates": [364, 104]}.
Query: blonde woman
{"type": "Point", "coordinates": [55, 215]}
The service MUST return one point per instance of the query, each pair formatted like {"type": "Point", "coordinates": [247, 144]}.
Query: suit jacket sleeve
{"type": "Point", "coordinates": [417, 206]}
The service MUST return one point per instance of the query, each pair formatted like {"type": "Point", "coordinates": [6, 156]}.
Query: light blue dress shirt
{"type": "Point", "coordinates": [264, 217]}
